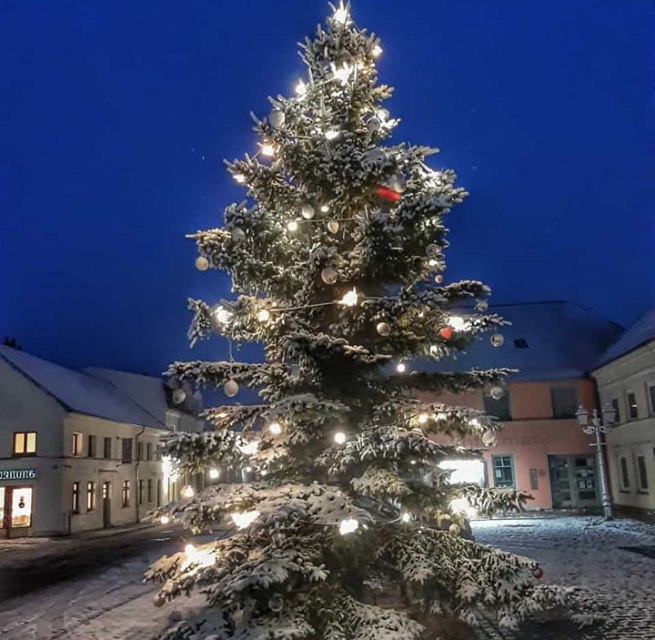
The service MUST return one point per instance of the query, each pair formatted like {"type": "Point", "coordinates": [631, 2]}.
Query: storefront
{"type": "Point", "coordinates": [16, 500]}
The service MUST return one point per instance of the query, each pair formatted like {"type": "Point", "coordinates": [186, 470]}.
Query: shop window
{"type": "Point", "coordinates": [107, 449]}
{"type": "Point", "coordinates": [615, 406]}
{"type": "Point", "coordinates": [24, 444]}
{"type": "Point", "coordinates": [21, 507]}
{"type": "Point", "coordinates": [91, 446]}
{"type": "Point", "coordinates": [126, 493]}
{"type": "Point", "coordinates": [498, 408]}
{"type": "Point", "coordinates": [77, 444]}
{"type": "Point", "coordinates": [564, 401]}
{"type": "Point", "coordinates": [75, 498]}
{"type": "Point", "coordinates": [624, 472]}
{"type": "Point", "coordinates": [642, 474]}
{"type": "Point", "coordinates": [90, 496]}
{"type": "Point", "coordinates": [149, 490]}
{"type": "Point", "coordinates": [126, 453]}
{"type": "Point", "coordinates": [503, 471]}
{"type": "Point", "coordinates": [149, 451]}
{"type": "Point", "coordinates": [633, 408]}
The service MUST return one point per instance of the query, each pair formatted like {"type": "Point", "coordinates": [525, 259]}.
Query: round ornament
{"type": "Point", "coordinates": [202, 264]}
{"type": "Point", "coordinates": [307, 211]}
{"type": "Point", "coordinates": [375, 155]}
{"type": "Point", "coordinates": [482, 305]}
{"type": "Point", "coordinates": [159, 600]}
{"type": "Point", "coordinates": [432, 250]}
{"type": "Point", "coordinates": [383, 328]}
{"type": "Point", "coordinates": [454, 529]}
{"type": "Point", "coordinates": [538, 573]}
{"type": "Point", "coordinates": [329, 275]}
{"type": "Point", "coordinates": [496, 393]}
{"type": "Point", "coordinates": [488, 438]}
{"type": "Point", "coordinates": [397, 183]}
{"type": "Point", "coordinates": [276, 118]}
{"type": "Point", "coordinates": [446, 333]}
{"type": "Point", "coordinates": [497, 340]}
{"type": "Point", "coordinates": [231, 388]}
{"type": "Point", "coordinates": [238, 235]}
{"type": "Point", "coordinates": [333, 226]}
{"type": "Point", "coordinates": [387, 194]}
{"type": "Point", "coordinates": [276, 603]}
{"type": "Point", "coordinates": [438, 278]}
{"type": "Point", "coordinates": [373, 125]}
{"type": "Point", "coordinates": [179, 396]}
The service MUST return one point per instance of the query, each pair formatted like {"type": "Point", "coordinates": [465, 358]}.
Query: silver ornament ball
{"type": "Point", "coordinates": [497, 340]}
{"type": "Point", "coordinates": [276, 118]}
{"type": "Point", "coordinates": [438, 278]}
{"type": "Point", "coordinates": [488, 438]}
{"type": "Point", "coordinates": [179, 396]}
{"type": "Point", "coordinates": [307, 211]}
{"type": "Point", "coordinates": [276, 603]}
{"type": "Point", "coordinates": [383, 328]}
{"type": "Point", "coordinates": [496, 393]}
{"type": "Point", "coordinates": [202, 264]}
{"type": "Point", "coordinates": [329, 275]}
{"type": "Point", "coordinates": [238, 235]}
{"type": "Point", "coordinates": [432, 250]}
{"type": "Point", "coordinates": [230, 388]}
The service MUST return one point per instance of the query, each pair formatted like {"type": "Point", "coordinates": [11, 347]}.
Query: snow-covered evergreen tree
{"type": "Point", "coordinates": [346, 531]}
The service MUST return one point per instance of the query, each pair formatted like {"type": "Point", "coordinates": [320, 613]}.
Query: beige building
{"type": "Point", "coordinates": [626, 380]}
{"type": "Point", "coordinates": [82, 450]}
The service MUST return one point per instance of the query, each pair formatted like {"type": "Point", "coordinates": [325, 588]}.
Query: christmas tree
{"type": "Point", "coordinates": [347, 528]}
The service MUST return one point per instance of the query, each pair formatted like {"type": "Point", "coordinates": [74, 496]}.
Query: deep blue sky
{"type": "Point", "coordinates": [115, 117]}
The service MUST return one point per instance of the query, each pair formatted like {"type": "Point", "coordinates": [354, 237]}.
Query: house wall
{"type": "Point", "coordinates": [533, 434]}
{"type": "Point", "coordinates": [631, 438]}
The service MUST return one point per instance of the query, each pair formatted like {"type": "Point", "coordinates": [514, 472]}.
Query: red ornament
{"type": "Point", "coordinates": [446, 333]}
{"type": "Point", "coordinates": [387, 194]}
{"type": "Point", "coordinates": [538, 573]}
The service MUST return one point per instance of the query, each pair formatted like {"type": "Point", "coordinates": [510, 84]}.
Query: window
{"type": "Point", "coordinates": [159, 492]}
{"type": "Point", "coordinates": [158, 453]}
{"type": "Point", "coordinates": [75, 503]}
{"type": "Point", "coordinates": [126, 493]}
{"type": "Point", "coordinates": [498, 407]}
{"type": "Point", "coordinates": [615, 406]}
{"type": "Point", "coordinates": [625, 475]}
{"type": "Point", "coordinates": [24, 443]}
{"type": "Point", "coordinates": [633, 409]}
{"type": "Point", "coordinates": [565, 402]}
{"type": "Point", "coordinates": [139, 450]}
{"type": "Point", "coordinates": [91, 447]}
{"type": "Point", "coordinates": [90, 496]}
{"type": "Point", "coordinates": [521, 343]}
{"type": "Point", "coordinates": [642, 475]}
{"type": "Point", "coordinates": [149, 489]}
{"type": "Point", "coordinates": [651, 393]}
{"type": "Point", "coordinates": [140, 491]}
{"type": "Point", "coordinates": [503, 471]}
{"type": "Point", "coordinates": [149, 451]}
{"type": "Point", "coordinates": [107, 449]}
{"type": "Point", "coordinates": [126, 455]}
{"type": "Point", "coordinates": [77, 444]}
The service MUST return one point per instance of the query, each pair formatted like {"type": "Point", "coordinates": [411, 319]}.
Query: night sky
{"type": "Point", "coordinates": [115, 118]}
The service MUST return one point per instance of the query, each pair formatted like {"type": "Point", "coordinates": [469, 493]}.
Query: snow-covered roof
{"type": "Point", "coordinates": [546, 341]}
{"type": "Point", "coordinates": [80, 392]}
{"type": "Point", "coordinates": [641, 332]}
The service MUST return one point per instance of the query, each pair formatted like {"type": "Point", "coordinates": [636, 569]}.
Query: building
{"type": "Point", "coordinates": [80, 450]}
{"type": "Point", "coordinates": [626, 380]}
{"type": "Point", "coordinates": [542, 448]}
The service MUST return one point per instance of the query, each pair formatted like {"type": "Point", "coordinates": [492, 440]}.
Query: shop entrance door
{"type": "Point", "coordinates": [573, 481]}
{"type": "Point", "coordinates": [15, 511]}
{"type": "Point", "coordinates": [3, 525]}
{"type": "Point", "coordinates": [106, 504]}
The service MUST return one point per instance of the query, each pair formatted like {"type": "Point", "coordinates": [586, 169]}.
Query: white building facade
{"type": "Point", "coordinates": [626, 380]}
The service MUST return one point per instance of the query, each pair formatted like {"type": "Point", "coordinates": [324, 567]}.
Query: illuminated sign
{"type": "Point", "coordinates": [17, 474]}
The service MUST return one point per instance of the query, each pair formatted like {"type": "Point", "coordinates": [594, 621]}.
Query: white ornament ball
{"type": "Point", "coordinates": [329, 275]}
{"type": "Point", "coordinates": [383, 328]}
{"type": "Point", "coordinates": [438, 278]}
{"type": "Point", "coordinates": [497, 339]}
{"type": "Point", "coordinates": [307, 211]}
{"type": "Point", "coordinates": [373, 125]}
{"type": "Point", "coordinates": [230, 388]}
{"type": "Point", "coordinates": [488, 438]}
{"type": "Point", "coordinates": [276, 603]}
{"type": "Point", "coordinates": [496, 393]}
{"type": "Point", "coordinates": [333, 226]}
{"type": "Point", "coordinates": [179, 396]}
{"type": "Point", "coordinates": [482, 305]}
{"type": "Point", "coordinates": [432, 250]}
{"type": "Point", "coordinates": [238, 235]}
{"type": "Point", "coordinates": [397, 183]}
{"type": "Point", "coordinates": [202, 264]}
{"type": "Point", "coordinates": [454, 529]}
{"type": "Point", "coordinates": [276, 118]}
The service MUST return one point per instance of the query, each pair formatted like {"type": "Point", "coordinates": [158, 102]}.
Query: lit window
{"type": "Point", "coordinates": [90, 496]}
{"type": "Point", "coordinates": [75, 498]}
{"type": "Point", "coordinates": [633, 408]}
{"type": "Point", "coordinates": [24, 443]}
{"type": "Point", "coordinates": [77, 443]}
{"type": "Point", "coordinates": [21, 507]}
{"type": "Point", "coordinates": [126, 493]}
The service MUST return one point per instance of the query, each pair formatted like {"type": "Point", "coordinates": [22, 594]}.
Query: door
{"type": "Point", "coordinates": [3, 525]}
{"type": "Point", "coordinates": [106, 504]}
{"type": "Point", "coordinates": [573, 481]}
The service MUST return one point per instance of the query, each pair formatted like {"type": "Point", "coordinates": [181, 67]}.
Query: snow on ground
{"type": "Point", "coordinates": [617, 585]}
{"type": "Point", "coordinates": [114, 604]}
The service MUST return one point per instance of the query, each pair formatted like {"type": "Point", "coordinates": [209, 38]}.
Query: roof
{"type": "Point", "coordinates": [639, 333]}
{"type": "Point", "coordinates": [564, 340]}
{"type": "Point", "coordinates": [80, 392]}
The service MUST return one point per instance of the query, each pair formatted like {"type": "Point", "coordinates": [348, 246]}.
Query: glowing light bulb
{"type": "Point", "coordinates": [264, 315]}
{"type": "Point", "coordinates": [432, 262]}
{"type": "Point", "coordinates": [240, 178]}
{"type": "Point", "coordinates": [275, 428]}
{"type": "Point", "coordinates": [406, 516]}
{"type": "Point", "coordinates": [331, 134]}
{"type": "Point", "coordinates": [292, 226]}
{"type": "Point", "coordinates": [188, 492]}
{"type": "Point", "coordinates": [401, 367]}
{"type": "Point", "coordinates": [458, 323]}
{"type": "Point", "coordinates": [325, 208]}
{"type": "Point", "coordinates": [349, 525]}
{"type": "Point", "coordinates": [214, 474]}
{"type": "Point", "coordinates": [222, 315]}
{"type": "Point", "coordinates": [422, 418]}
{"type": "Point", "coordinates": [340, 437]}
{"type": "Point", "coordinates": [189, 549]}
{"type": "Point", "coordinates": [474, 422]}
{"type": "Point", "coordinates": [301, 88]}
{"type": "Point", "coordinates": [434, 349]}
{"type": "Point", "coordinates": [249, 448]}
{"type": "Point", "coordinates": [376, 51]}
{"type": "Point", "coordinates": [342, 74]}
{"type": "Point", "coordinates": [350, 299]}
{"type": "Point", "coordinates": [245, 519]}
{"type": "Point", "coordinates": [268, 149]}
{"type": "Point", "coordinates": [164, 519]}
{"type": "Point", "coordinates": [441, 416]}
{"type": "Point", "coordinates": [341, 15]}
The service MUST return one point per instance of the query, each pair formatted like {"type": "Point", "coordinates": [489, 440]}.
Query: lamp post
{"type": "Point", "coordinates": [596, 427]}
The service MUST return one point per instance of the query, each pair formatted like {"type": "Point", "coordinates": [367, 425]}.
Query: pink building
{"type": "Point", "coordinates": [542, 448]}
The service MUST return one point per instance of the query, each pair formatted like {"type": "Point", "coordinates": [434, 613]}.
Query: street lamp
{"type": "Point", "coordinates": [596, 427]}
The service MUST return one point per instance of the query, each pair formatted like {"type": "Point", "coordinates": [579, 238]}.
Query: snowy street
{"type": "Point", "coordinates": [113, 603]}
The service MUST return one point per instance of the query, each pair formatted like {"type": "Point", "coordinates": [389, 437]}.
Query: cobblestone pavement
{"type": "Point", "coordinates": [616, 585]}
